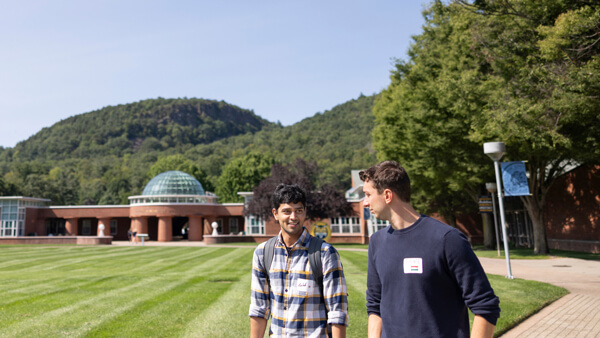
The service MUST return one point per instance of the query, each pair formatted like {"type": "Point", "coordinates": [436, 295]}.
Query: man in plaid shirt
{"type": "Point", "coordinates": [298, 306]}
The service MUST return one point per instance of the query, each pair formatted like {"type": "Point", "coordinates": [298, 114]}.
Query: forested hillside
{"type": "Point", "coordinates": [104, 156]}
{"type": "Point", "coordinates": [157, 124]}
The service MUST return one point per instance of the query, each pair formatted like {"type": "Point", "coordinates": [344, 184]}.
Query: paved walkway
{"type": "Point", "coordinates": [574, 315]}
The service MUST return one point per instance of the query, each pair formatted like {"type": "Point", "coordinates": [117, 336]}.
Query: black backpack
{"type": "Point", "coordinates": [314, 258]}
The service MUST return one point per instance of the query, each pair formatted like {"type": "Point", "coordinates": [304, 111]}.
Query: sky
{"type": "Point", "coordinates": [285, 60]}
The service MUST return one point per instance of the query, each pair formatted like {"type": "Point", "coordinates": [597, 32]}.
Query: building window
{"type": "Point", "coordinates": [55, 227]}
{"type": "Point", "coordinates": [256, 226]}
{"type": "Point", "coordinates": [345, 225]}
{"type": "Point", "coordinates": [86, 227]}
{"type": "Point", "coordinates": [233, 226]}
{"type": "Point", "coordinates": [12, 218]}
{"type": "Point", "coordinates": [113, 227]}
{"type": "Point", "coordinates": [7, 229]}
{"type": "Point", "coordinates": [220, 225]}
{"type": "Point", "coordinates": [376, 224]}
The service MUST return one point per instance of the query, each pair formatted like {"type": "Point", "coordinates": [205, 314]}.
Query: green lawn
{"type": "Point", "coordinates": [137, 291]}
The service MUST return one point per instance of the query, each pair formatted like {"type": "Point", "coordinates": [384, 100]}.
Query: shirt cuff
{"type": "Point", "coordinates": [337, 318]}
{"type": "Point", "coordinates": [258, 312]}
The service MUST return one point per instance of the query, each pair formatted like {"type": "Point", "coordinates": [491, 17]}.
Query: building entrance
{"type": "Point", "coordinates": [180, 228]}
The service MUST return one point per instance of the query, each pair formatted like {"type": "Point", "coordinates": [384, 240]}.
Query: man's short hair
{"type": "Point", "coordinates": [388, 175]}
{"type": "Point", "coordinates": [288, 193]}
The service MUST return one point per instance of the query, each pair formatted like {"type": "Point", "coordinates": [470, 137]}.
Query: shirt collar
{"type": "Point", "coordinates": [303, 240]}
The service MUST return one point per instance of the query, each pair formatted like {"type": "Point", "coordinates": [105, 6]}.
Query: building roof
{"type": "Point", "coordinates": [173, 183]}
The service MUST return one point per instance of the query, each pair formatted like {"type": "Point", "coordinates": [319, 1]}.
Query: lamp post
{"type": "Point", "coordinates": [495, 150]}
{"type": "Point", "coordinates": [491, 187]}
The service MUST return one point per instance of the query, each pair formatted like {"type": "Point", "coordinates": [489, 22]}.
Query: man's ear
{"type": "Point", "coordinates": [387, 196]}
{"type": "Point", "coordinates": [274, 213]}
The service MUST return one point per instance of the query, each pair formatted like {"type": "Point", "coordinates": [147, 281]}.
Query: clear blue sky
{"type": "Point", "coordinates": [286, 60]}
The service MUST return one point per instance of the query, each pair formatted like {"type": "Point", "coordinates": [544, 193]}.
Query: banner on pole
{"type": "Point", "coordinates": [514, 179]}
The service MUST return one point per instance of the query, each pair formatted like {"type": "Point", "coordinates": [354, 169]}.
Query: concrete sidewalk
{"type": "Point", "coordinates": [576, 314]}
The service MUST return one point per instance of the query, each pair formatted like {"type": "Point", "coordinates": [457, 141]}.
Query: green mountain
{"type": "Point", "coordinates": [157, 124]}
{"type": "Point", "coordinates": [104, 156]}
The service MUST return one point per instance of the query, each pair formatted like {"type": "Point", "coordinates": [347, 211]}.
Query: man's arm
{"type": "Point", "coordinates": [259, 299]}
{"type": "Point", "coordinates": [257, 327]}
{"type": "Point", "coordinates": [375, 323]}
{"type": "Point", "coordinates": [477, 292]}
{"type": "Point", "coordinates": [481, 328]}
{"type": "Point", "coordinates": [374, 326]}
{"type": "Point", "coordinates": [338, 331]}
{"type": "Point", "coordinates": [334, 288]}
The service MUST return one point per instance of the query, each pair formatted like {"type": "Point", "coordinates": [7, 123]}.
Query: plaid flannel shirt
{"type": "Point", "coordinates": [293, 298]}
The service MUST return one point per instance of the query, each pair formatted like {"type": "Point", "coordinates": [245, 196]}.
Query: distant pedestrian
{"type": "Point", "coordinates": [131, 236]}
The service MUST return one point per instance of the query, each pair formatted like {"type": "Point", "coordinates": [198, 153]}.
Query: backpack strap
{"type": "Point", "coordinates": [314, 258]}
{"type": "Point", "coordinates": [268, 254]}
{"type": "Point", "coordinates": [316, 265]}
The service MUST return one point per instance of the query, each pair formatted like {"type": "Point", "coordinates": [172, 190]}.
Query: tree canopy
{"type": "Point", "coordinates": [523, 72]}
{"type": "Point", "coordinates": [242, 174]}
{"type": "Point", "coordinates": [321, 202]}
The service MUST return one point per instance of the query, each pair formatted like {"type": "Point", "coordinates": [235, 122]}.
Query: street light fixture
{"type": "Point", "coordinates": [495, 150]}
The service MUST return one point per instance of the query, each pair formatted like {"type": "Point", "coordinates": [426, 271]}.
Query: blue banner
{"type": "Point", "coordinates": [514, 179]}
{"type": "Point", "coordinates": [367, 213]}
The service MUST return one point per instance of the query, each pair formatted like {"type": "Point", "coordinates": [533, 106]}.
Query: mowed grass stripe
{"type": "Point", "coordinates": [355, 271]}
{"type": "Point", "coordinates": [50, 258]}
{"type": "Point", "coordinates": [54, 317]}
{"type": "Point", "coordinates": [182, 303]}
{"type": "Point", "coordinates": [57, 321]}
{"type": "Point", "coordinates": [50, 288]}
{"type": "Point", "coordinates": [16, 261]}
{"type": "Point", "coordinates": [36, 287]}
{"type": "Point", "coordinates": [45, 295]}
{"type": "Point", "coordinates": [72, 260]}
{"type": "Point", "coordinates": [227, 316]}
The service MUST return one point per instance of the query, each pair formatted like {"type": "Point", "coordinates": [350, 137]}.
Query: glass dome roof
{"type": "Point", "coordinates": [173, 183]}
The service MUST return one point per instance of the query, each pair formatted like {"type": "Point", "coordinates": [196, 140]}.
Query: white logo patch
{"type": "Point", "coordinates": [413, 265]}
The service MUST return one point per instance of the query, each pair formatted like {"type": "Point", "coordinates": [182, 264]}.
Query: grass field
{"type": "Point", "coordinates": [135, 291]}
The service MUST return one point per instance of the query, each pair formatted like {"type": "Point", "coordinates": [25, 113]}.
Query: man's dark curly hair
{"type": "Point", "coordinates": [288, 193]}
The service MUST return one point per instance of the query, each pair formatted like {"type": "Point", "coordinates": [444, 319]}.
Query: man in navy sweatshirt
{"type": "Point", "coordinates": [423, 275]}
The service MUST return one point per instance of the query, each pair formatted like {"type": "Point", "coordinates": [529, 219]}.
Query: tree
{"type": "Point", "coordinates": [545, 105]}
{"type": "Point", "coordinates": [424, 117]}
{"type": "Point", "coordinates": [523, 72]}
{"type": "Point", "coordinates": [242, 174]}
{"type": "Point", "coordinates": [181, 163]}
{"type": "Point", "coordinates": [3, 189]}
{"type": "Point", "coordinates": [320, 203]}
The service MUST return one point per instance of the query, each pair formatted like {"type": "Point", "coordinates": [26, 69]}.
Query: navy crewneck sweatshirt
{"type": "Point", "coordinates": [423, 279]}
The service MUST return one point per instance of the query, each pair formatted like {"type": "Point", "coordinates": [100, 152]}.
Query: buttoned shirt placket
{"type": "Point", "coordinates": [288, 253]}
